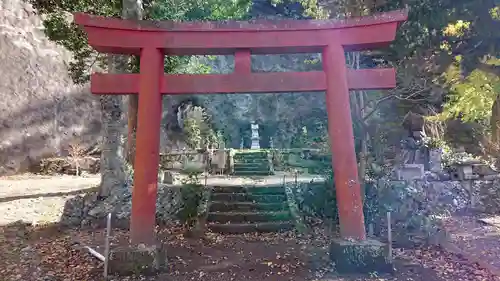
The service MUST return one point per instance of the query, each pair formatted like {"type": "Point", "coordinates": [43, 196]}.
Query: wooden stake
{"type": "Point", "coordinates": [96, 254]}
{"type": "Point", "coordinates": [389, 236]}
{"type": "Point", "coordinates": [106, 246]}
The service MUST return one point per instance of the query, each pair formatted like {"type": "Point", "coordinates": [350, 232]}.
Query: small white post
{"type": "Point", "coordinates": [206, 179]}
{"type": "Point", "coordinates": [389, 236]}
{"type": "Point", "coordinates": [106, 246]}
{"type": "Point", "coordinates": [370, 230]}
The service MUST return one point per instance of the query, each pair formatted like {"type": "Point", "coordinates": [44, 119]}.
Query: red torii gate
{"type": "Point", "coordinates": [153, 40]}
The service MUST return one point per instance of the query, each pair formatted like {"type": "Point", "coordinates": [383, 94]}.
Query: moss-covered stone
{"type": "Point", "coordinates": [366, 256]}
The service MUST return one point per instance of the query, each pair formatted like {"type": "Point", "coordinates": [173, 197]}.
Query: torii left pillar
{"type": "Point", "coordinates": [148, 139]}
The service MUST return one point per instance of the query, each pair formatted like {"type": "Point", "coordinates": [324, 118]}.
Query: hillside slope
{"type": "Point", "coordinates": [41, 110]}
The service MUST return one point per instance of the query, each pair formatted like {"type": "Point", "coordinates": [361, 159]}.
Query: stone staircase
{"type": "Point", "coordinates": [240, 209]}
{"type": "Point", "coordinates": [252, 163]}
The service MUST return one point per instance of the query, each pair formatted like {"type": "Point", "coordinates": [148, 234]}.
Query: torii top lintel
{"type": "Point", "coordinates": [110, 35]}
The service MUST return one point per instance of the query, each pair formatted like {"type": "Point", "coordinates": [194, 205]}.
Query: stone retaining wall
{"type": "Point", "coordinates": [88, 210]}
{"type": "Point", "coordinates": [416, 206]}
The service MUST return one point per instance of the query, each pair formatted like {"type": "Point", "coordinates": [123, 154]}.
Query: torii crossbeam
{"type": "Point", "coordinates": [153, 40]}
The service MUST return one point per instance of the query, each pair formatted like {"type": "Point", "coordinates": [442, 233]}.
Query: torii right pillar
{"type": "Point", "coordinates": [349, 202]}
{"type": "Point", "coordinates": [352, 252]}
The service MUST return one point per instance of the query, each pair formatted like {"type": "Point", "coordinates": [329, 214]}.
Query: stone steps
{"type": "Point", "coordinates": [241, 228]}
{"type": "Point", "coordinates": [221, 206]}
{"type": "Point", "coordinates": [245, 217]}
{"type": "Point", "coordinates": [244, 209]}
{"type": "Point", "coordinates": [251, 190]}
{"type": "Point", "coordinates": [244, 197]}
{"type": "Point", "coordinates": [249, 161]}
{"type": "Point", "coordinates": [250, 155]}
{"type": "Point", "coordinates": [252, 173]}
{"type": "Point", "coordinates": [252, 164]}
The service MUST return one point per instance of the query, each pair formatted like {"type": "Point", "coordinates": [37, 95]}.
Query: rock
{"type": "Point", "coordinates": [73, 212]}
{"type": "Point", "coordinates": [487, 194]}
{"type": "Point", "coordinates": [435, 160]}
{"type": "Point", "coordinates": [410, 172]}
{"type": "Point", "coordinates": [431, 176]}
{"type": "Point", "coordinates": [137, 260]}
{"type": "Point", "coordinates": [168, 203]}
{"type": "Point", "coordinates": [360, 256]}
{"type": "Point", "coordinates": [76, 209]}
{"type": "Point", "coordinates": [415, 206]}
{"type": "Point", "coordinates": [170, 177]}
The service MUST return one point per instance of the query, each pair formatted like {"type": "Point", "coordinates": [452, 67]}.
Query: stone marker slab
{"type": "Point", "coordinates": [135, 260]}
{"type": "Point", "coordinates": [360, 256]}
{"type": "Point", "coordinates": [411, 172]}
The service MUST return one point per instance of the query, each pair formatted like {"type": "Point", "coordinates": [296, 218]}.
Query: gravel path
{"type": "Point", "coordinates": [39, 199]}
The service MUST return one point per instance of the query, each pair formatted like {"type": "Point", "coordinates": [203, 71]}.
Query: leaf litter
{"type": "Point", "coordinates": [42, 253]}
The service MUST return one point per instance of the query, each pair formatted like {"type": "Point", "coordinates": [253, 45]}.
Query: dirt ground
{"type": "Point", "coordinates": [39, 199]}
{"type": "Point", "coordinates": [46, 252]}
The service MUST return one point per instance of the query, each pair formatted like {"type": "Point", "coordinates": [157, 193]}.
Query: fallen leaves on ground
{"type": "Point", "coordinates": [30, 253]}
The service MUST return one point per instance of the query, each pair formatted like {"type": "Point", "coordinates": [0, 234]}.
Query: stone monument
{"type": "Point", "coordinates": [435, 160]}
{"type": "Point", "coordinates": [414, 153]}
{"type": "Point", "coordinates": [255, 136]}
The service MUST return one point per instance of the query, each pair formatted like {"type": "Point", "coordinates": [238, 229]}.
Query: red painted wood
{"type": "Point", "coordinates": [151, 40]}
{"type": "Point", "coordinates": [242, 62]}
{"type": "Point", "coordinates": [110, 35]}
{"type": "Point", "coordinates": [341, 135]}
{"type": "Point", "coordinates": [252, 25]}
{"type": "Point", "coordinates": [147, 153]}
{"type": "Point", "coordinates": [274, 82]}
{"type": "Point", "coordinates": [224, 43]}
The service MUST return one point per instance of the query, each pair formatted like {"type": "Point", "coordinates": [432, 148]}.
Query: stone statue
{"type": "Point", "coordinates": [255, 136]}
{"type": "Point", "coordinates": [415, 151]}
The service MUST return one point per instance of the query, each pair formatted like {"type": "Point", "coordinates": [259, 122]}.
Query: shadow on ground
{"type": "Point", "coordinates": [51, 194]}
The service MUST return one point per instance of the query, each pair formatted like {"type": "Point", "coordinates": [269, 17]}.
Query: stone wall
{"type": "Point", "coordinates": [88, 210]}
{"type": "Point", "coordinates": [416, 206]}
{"type": "Point", "coordinates": [197, 160]}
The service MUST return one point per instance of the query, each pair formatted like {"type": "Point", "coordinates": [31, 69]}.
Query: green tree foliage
{"type": "Point", "coordinates": [470, 98]}
{"type": "Point", "coordinates": [197, 129]}
{"type": "Point", "coordinates": [458, 45]}
{"type": "Point", "coordinates": [60, 29]}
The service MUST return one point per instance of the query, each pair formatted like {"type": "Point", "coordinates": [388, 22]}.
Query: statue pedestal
{"type": "Point", "coordinates": [255, 144]}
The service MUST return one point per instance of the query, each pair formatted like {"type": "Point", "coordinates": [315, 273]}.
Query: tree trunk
{"type": "Point", "coordinates": [359, 108]}
{"type": "Point", "coordinates": [133, 10]}
{"type": "Point", "coordinates": [113, 135]}
{"type": "Point", "coordinates": [113, 165]}
{"type": "Point", "coordinates": [495, 121]}
{"type": "Point", "coordinates": [495, 130]}
{"type": "Point", "coordinates": [133, 104]}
